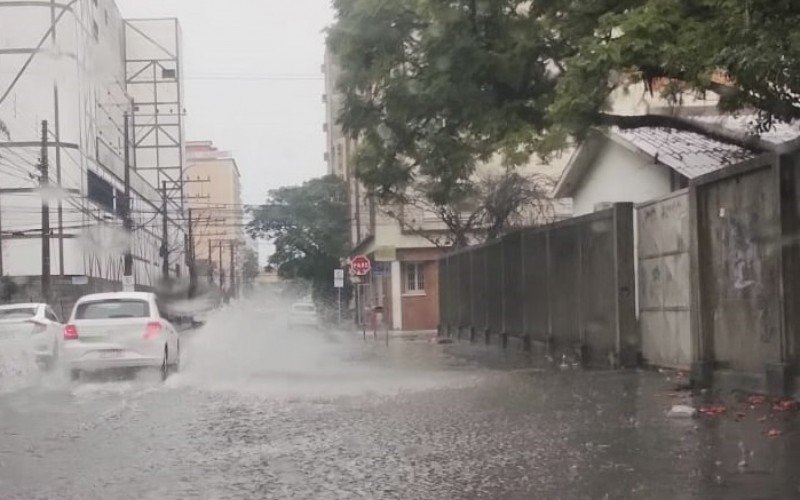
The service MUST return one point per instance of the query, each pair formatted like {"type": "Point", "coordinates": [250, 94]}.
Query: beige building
{"type": "Point", "coordinates": [213, 195]}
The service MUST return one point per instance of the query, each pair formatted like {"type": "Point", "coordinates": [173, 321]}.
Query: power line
{"type": "Point", "coordinates": [255, 77]}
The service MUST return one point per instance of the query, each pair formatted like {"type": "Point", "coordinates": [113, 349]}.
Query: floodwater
{"type": "Point", "coordinates": [259, 411]}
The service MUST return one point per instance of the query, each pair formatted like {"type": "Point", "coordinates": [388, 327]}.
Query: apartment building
{"type": "Point", "coordinates": [75, 66]}
{"type": "Point", "coordinates": [213, 196]}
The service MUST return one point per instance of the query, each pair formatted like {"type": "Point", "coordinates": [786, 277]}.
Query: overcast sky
{"type": "Point", "coordinates": [263, 100]}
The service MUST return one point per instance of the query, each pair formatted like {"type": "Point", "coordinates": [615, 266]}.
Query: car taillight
{"type": "Point", "coordinates": [153, 330]}
{"type": "Point", "coordinates": [70, 332]}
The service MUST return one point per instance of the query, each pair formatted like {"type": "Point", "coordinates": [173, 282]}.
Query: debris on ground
{"type": "Point", "coordinates": [785, 405]}
{"type": "Point", "coordinates": [713, 410]}
{"type": "Point", "coordinates": [682, 411]}
{"type": "Point", "coordinates": [773, 433]}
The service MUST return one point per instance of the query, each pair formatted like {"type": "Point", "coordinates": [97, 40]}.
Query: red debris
{"type": "Point", "coordinates": [785, 405]}
{"type": "Point", "coordinates": [713, 410]}
{"type": "Point", "coordinates": [756, 399]}
{"type": "Point", "coordinates": [740, 414]}
{"type": "Point", "coordinates": [773, 433]}
{"type": "Point", "coordinates": [762, 419]}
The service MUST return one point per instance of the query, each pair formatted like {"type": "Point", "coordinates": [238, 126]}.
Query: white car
{"type": "Point", "coordinates": [303, 315]}
{"type": "Point", "coordinates": [32, 327]}
{"type": "Point", "coordinates": [123, 330]}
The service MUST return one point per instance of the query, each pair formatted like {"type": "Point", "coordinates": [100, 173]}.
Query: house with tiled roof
{"type": "Point", "coordinates": [641, 164]}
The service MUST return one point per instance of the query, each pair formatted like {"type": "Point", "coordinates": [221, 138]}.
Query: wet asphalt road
{"type": "Point", "coordinates": [260, 412]}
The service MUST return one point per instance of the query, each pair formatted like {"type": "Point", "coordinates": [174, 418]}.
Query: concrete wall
{"type": "Point", "coordinates": [745, 259]}
{"type": "Point", "coordinates": [568, 285]}
{"type": "Point", "coordinates": [664, 280]}
{"type": "Point", "coordinates": [739, 270]}
{"type": "Point", "coordinates": [620, 175]}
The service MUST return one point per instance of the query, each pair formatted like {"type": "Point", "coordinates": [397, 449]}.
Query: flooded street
{"type": "Point", "coordinates": [261, 412]}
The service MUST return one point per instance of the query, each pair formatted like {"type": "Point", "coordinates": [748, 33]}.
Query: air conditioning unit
{"type": "Point", "coordinates": [603, 205]}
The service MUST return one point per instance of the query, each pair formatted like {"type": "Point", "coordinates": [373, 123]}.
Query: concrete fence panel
{"type": "Point", "coordinates": [596, 292]}
{"type": "Point", "coordinates": [513, 288]}
{"type": "Point", "coordinates": [564, 297]}
{"type": "Point", "coordinates": [739, 268]}
{"type": "Point", "coordinates": [464, 270]}
{"type": "Point", "coordinates": [568, 284]}
{"type": "Point", "coordinates": [535, 309]}
{"type": "Point", "coordinates": [494, 287]}
{"type": "Point", "coordinates": [664, 280]}
{"type": "Point", "coordinates": [480, 309]}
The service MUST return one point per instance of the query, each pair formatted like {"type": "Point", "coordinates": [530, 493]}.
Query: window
{"type": "Point", "coordinates": [119, 206]}
{"type": "Point", "coordinates": [414, 277]}
{"type": "Point", "coordinates": [100, 191]}
{"type": "Point", "coordinates": [49, 314]}
{"type": "Point", "coordinates": [18, 313]}
{"type": "Point", "coordinates": [113, 309]}
{"type": "Point", "coordinates": [168, 74]}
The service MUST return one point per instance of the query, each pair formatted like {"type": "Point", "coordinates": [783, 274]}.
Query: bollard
{"type": "Point", "coordinates": [504, 340]}
{"type": "Point", "coordinates": [472, 334]}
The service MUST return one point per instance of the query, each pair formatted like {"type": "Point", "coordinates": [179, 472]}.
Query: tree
{"type": "Point", "coordinates": [310, 228]}
{"type": "Point", "coordinates": [432, 88]}
{"type": "Point", "coordinates": [746, 51]}
{"type": "Point", "coordinates": [496, 201]}
{"type": "Point", "coordinates": [250, 266]}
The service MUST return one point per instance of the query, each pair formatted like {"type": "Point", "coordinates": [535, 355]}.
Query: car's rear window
{"type": "Point", "coordinates": [113, 309]}
{"type": "Point", "coordinates": [303, 308]}
{"type": "Point", "coordinates": [18, 313]}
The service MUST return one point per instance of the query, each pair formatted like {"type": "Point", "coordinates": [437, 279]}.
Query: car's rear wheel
{"type": "Point", "coordinates": [176, 366]}
{"type": "Point", "coordinates": [74, 375]}
{"type": "Point", "coordinates": [165, 365]}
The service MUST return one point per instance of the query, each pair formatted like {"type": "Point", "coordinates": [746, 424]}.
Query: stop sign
{"type": "Point", "coordinates": [360, 265]}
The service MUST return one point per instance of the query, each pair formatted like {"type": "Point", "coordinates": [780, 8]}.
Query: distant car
{"type": "Point", "coordinates": [303, 315]}
{"type": "Point", "coordinates": [35, 326]}
{"type": "Point", "coordinates": [117, 331]}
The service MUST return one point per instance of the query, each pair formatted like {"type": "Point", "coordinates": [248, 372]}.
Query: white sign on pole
{"type": "Point", "coordinates": [338, 278]}
{"type": "Point", "coordinates": [128, 284]}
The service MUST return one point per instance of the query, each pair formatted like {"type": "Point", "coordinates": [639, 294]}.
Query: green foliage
{"type": "Point", "coordinates": [432, 88]}
{"type": "Point", "coordinates": [310, 228]}
{"type": "Point", "coordinates": [250, 266]}
{"type": "Point", "coordinates": [754, 42]}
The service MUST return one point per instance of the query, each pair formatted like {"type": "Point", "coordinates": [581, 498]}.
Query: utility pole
{"type": "Point", "coordinates": [233, 270]}
{"type": "Point", "coordinates": [126, 202]}
{"type": "Point", "coordinates": [164, 242]}
{"type": "Point", "coordinates": [210, 264]}
{"type": "Point", "coordinates": [44, 183]}
{"type": "Point", "coordinates": [221, 268]}
{"type": "Point", "coordinates": [1, 240]}
{"type": "Point", "coordinates": [191, 259]}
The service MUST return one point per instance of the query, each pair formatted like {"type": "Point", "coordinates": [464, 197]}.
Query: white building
{"type": "Point", "coordinates": [72, 65]}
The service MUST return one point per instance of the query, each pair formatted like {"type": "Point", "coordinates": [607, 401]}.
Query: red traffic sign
{"type": "Point", "coordinates": [360, 265]}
